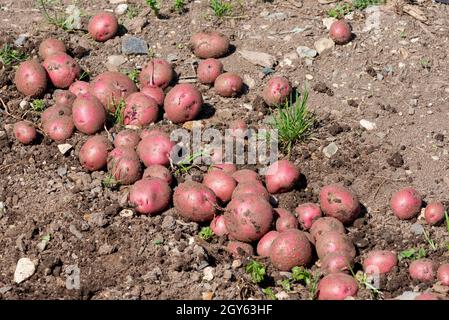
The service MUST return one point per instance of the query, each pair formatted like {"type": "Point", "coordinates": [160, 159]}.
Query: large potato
{"type": "Point", "coordinates": [194, 201]}
{"type": "Point", "coordinates": [290, 248]}
{"type": "Point", "coordinates": [339, 202]}
{"type": "Point", "coordinates": [31, 78]}
{"type": "Point", "coordinates": [157, 72]}
{"type": "Point", "coordinates": [150, 196]}
{"type": "Point", "coordinates": [183, 103]}
{"type": "Point", "coordinates": [62, 69]}
{"type": "Point", "coordinates": [209, 44]}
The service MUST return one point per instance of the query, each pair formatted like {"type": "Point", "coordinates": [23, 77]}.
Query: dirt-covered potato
{"type": "Point", "coordinates": [103, 26]}
{"type": "Point", "coordinates": [228, 84]}
{"type": "Point", "coordinates": [140, 110]}
{"type": "Point", "coordinates": [276, 91]}
{"type": "Point", "coordinates": [208, 70]}
{"type": "Point", "coordinates": [339, 202]}
{"type": "Point", "coordinates": [62, 69]}
{"type": "Point", "coordinates": [150, 196]}
{"type": "Point", "coordinates": [93, 154]}
{"type": "Point", "coordinates": [183, 103]}
{"type": "Point", "coordinates": [31, 78]}
{"type": "Point", "coordinates": [209, 44]}
{"type": "Point", "coordinates": [157, 72]}
{"type": "Point", "coordinates": [290, 248]}
{"type": "Point", "coordinates": [194, 201]}
{"type": "Point", "coordinates": [88, 114]}
{"type": "Point", "coordinates": [51, 46]}
{"type": "Point", "coordinates": [24, 132]}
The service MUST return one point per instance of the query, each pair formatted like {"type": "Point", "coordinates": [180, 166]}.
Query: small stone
{"type": "Point", "coordinates": [208, 295]}
{"type": "Point", "coordinates": [407, 295]}
{"type": "Point", "coordinates": [208, 273]}
{"type": "Point", "coordinates": [5, 289]}
{"type": "Point", "coordinates": [106, 249]}
{"type": "Point", "coordinates": [227, 275]}
{"type": "Point", "coordinates": [168, 223]}
{"type": "Point", "coordinates": [117, 1]}
{"type": "Point", "coordinates": [327, 22]}
{"type": "Point", "coordinates": [126, 213]}
{"type": "Point", "coordinates": [324, 44]}
{"type": "Point", "coordinates": [63, 148]}
{"type": "Point", "coordinates": [75, 232]}
{"type": "Point", "coordinates": [282, 295]}
{"type": "Point", "coordinates": [435, 158]}
{"type": "Point", "coordinates": [417, 229]}
{"type": "Point", "coordinates": [236, 264]}
{"type": "Point", "coordinates": [330, 150]}
{"type": "Point", "coordinates": [250, 82]}
{"type": "Point", "coordinates": [98, 219]}
{"type": "Point", "coordinates": [134, 45]}
{"type": "Point", "coordinates": [368, 125]}
{"type": "Point", "coordinates": [62, 171]}
{"type": "Point", "coordinates": [280, 16]}
{"type": "Point", "coordinates": [172, 57]}
{"type": "Point", "coordinates": [309, 77]}
{"type": "Point", "coordinates": [114, 61]}
{"type": "Point", "coordinates": [24, 270]}
{"type": "Point", "coordinates": [439, 288]}
{"type": "Point", "coordinates": [21, 39]}
{"type": "Point", "coordinates": [411, 111]}
{"type": "Point", "coordinates": [23, 104]}
{"type": "Point", "coordinates": [258, 58]}
{"type": "Point", "coordinates": [306, 52]}
{"type": "Point", "coordinates": [121, 9]}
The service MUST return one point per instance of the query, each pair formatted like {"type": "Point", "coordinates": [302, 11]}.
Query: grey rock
{"type": "Point", "coordinates": [121, 9]}
{"type": "Point", "coordinates": [168, 223]}
{"type": "Point", "coordinates": [408, 295]}
{"type": "Point", "coordinates": [75, 232]}
{"type": "Point", "coordinates": [62, 171]}
{"type": "Point", "coordinates": [330, 150]}
{"type": "Point", "coordinates": [5, 289]}
{"type": "Point", "coordinates": [134, 45]}
{"type": "Point", "coordinates": [280, 16]}
{"type": "Point", "coordinates": [98, 219]}
{"type": "Point", "coordinates": [227, 275]}
{"type": "Point", "coordinates": [106, 249]}
{"type": "Point", "coordinates": [324, 44]}
{"type": "Point", "coordinates": [306, 52]}
{"type": "Point", "coordinates": [113, 62]}
{"type": "Point", "coordinates": [208, 273]}
{"type": "Point", "coordinates": [417, 229]}
{"type": "Point", "coordinates": [258, 58]}
{"type": "Point", "coordinates": [21, 39]}
{"type": "Point", "coordinates": [24, 270]}
{"type": "Point", "coordinates": [64, 148]}
{"type": "Point", "coordinates": [172, 57]}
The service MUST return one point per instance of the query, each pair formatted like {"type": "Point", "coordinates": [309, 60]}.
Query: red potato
{"type": "Point", "coordinates": [31, 78]}
{"type": "Point", "coordinates": [422, 270]}
{"type": "Point", "coordinates": [229, 168]}
{"type": "Point", "coordinates": [24, 132]}
{"type": "Point", "coordinates": [55, 111]}
{"type": "Point", "coordinates": [339, 202]}
{"type": "Point", "coordinates": [324, 225]}
{"type": "Point", "coordinates": [248, 218]}
{"type": "Point", "coordinates": [111, 87]}
{"type": "Point", "coordinates": [158, 171]}
{"type": "Point", "coordinates": [341, 32]}
{"type": "Point", "coordinates": [150, 196]}
{"type": "Point", "coordinates": [195, 201]}
{"type": "Point", "coordinates": [240, 249]}
{"type": "Point", "coordinates": [281, 176]}
{"type": "Point", "coordinates": [309, 236]}
{"type": "Point", "coordinates": [140, 110]}
{"type": "Point", "coordinates": [151, 133]}
{"type": "Point", "coordinates": [264, 245]}
{"type": "Point", "coordinates": [434, 213]}
{"type": "Point", "coordinates": [238, 128]}
{"type": "Point", "coordinates": [221, 183]}
{"type": "Point", "coordinates": [155, 93]}
{"type": "Point", "coordinates": [245, 175]}
{"type": "Point", "coordinates": [276, 91]}
{"type": "Point", "coordinates": [209, 44]}
{"type": "Point", "coordinates": [127, 139]}
{"type": "Point", "coordinates": [406, 203]}
{"type": "Point", "coordinates": [443, 274]}
{"type": "Point", "coordinates": [59, 128]}
{"type": "Point", "coordinates": [253, 187]}
{"type": "Point", "coordinates": [290, 248]}
{"type": "Point", "coordinates": [62, 69]}
{"type": "Point", "coordinates": [286, 220]}
{"type": "Point", "coordinates": [218, 226]}
{"type": "Point", "coordinates": [183, 103]}
{"type": "Point", "coordinates": [64, 98]}
{"type": "Point", "coordinates": [155, 149]}
{"type": "Point", "coordinates": [93, 154]}
{"type": "Point", "coordinates": [88, 114]}
{"type": "Point", "coordinates": [208, 70]}
{"type": "Point", "coordinates": [124, 165]}
{"type": "Point", "coordinates": [103, 26]}
{"type": "Point", "coordinates": [427, 296]}
{"type": "Point", "coordinates": [79, 88]}
{"type": "Point", "coordinates": [308, 213]}
{"type": "Point", "coordinates": [51, 46]}
{"type": "Point", "coordinates": [380, 262]}
{"type": "Point", "coordinates": [228, 84]}
{"type": "Point", "coordinates": [332, 242]}
{"type": "Point", "coordinates": [337, 286]}
{"type": "Point", "coordinates": [157, 72]}
{"type": "Point", "coordinates": [336, 262]}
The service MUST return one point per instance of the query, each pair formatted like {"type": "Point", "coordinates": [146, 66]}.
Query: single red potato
{"type": "Point", "coordinates": [157, 72]}
{"type": "Point", "coordinates": [79, 88]}
{"type": "Point", "coordinates": [427, 296]}
{"type": "Point", "coordinates": [183, 103]}
{"type": "Point", "coordinates": [238, 128]}
{"type": "Point", "coordinates": [324, 225]}
{"type": "Point", "coordinates": [229, 168]}
{"type": "Point", "coordinates": [276, 91]}
{"type": "Point", "coordinates": [334, 241]}
{"type": "Point", "coordinates": [281, 176]}
{"type": "Point", "coordinates": [55, 111]}
{"type": "Point", "coordinates": [339, 202]}
{"type": "Point", "coordinates": [62, 69]}
{"type": "Point", "coordinates": [154, 92]}
{"type": "Point", "coordinates": [336, 262]}
{"type": "Point", "coordinates": [88, 114]}
{"type": "Point", "coordinates": [195, 201]}
{"type": "Point", "coordinates": [264, 244]}
{"type": "Point", "coordinates": [140, 110]}
{"type": "Point", "coordinates": [93, 154]}
{"type": "Point", "coordinates": [380, 262]}
{"type": "Point", "coordinates": [209, 44]}
{"type": "Point", "coordinates": [245, 175]}
{"type": "Point", "coordinates": [124, 165]}
{"type": "Point", "coordinates": [150, 196]}
{"type": "Point", "coordinates": [443, 274]}
{"type": "Point", "coordinates": [103, 26]}
{"type": "Point", "coordinates": [64, 98]}
{"type": "Point", "coordinates": [155, 149]}
{"type": "Point", "coordinates": [208, 70]}
{"type": "Point", "coordinates": [406, 203]}
{"type": "Point", "coordinates": [422, 270]}
{"type": "Point", "coordinates": [24, 132]}
{"type": "Point", "coordinates": [286, 220]}
{"type": "Point", "coordinates": [251, 187]}
{"type": "Point", "coordinates": [51, 46]}
{"type": "Point", "coordinates": [341, 32]}
{"type": "Point", "coordinates": [434, 213]}
{"type": "Point", "coordinates": [126, 138]}
{"type": "Point", "coordinates": [290, 248]}
{"type": "Point", "coordinates": [59, 128]}
{"type": "Point", "coordinates": [218, 226]}
{"type": "Point", "coordinates": [307, 214]}
{"type": "Point", "coordinates": [31, 78]}
{"type": "Point", "coordinates": [337, 286]}
{"type": "Point", "coordinates": [158, 171]}
{"type": "Point", "coordinates": [240, 249]}
{"type": "Point", "coordinates": [228, 84]}
{"type": "Point", "coordinates": [221, 183]}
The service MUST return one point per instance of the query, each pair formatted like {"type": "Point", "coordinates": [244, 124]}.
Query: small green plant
{"type": "Point", "coordinates": [151, 54]}
{"type": "Point", "coordinates": [132, 12]}
{"type": "Point", "coordinates": [429, 240]}
{"type": "Point", "coordinates": [300, 274]}
{"type": "Point", "coordinates": [293, 120]}
{"type": "Point", "coordinates": [363, 4]}
{"type": "Point", "coordinates": [413, 254]}
{"type": "Point", "coordinates": [118, 114]}
{"type": "Point", "coordinates": [154, 5]}
{"type": "Point", "coordinates": [425, 63]}
{"type": "Point", "coordinates": [256, 270]}
{"type": "Point", "coordinates": [186, 164]}
{"type": "Point", "coordinates": [366, 281]}
{"type": "Point", "coordinates": [340, 10]}
{"type": "Point", "coordinates": [38, 105]}
{"type": "Point", "coordinates": [402, 34]}
{"type": "Point", "coordinates": [268, 292]}
{"type": "Point", "coordinates": [221, 8]}
{"type": "Point", "coordinates": [286, 285]}
{"type": "Point", "coordinates": [9, 56]}
{"type": "Point", "coordinates": [446, 217]}
{"type": "Point", "coordinates": [206, 233]}
{"type": "Point", "coordinates": [52, 16]}
{"type": "Point", "coordinates": [158, 242]}
{"type": "Point", "coordinates": [110, 182]}
{"type": "Point", "coordinates": [134, 75]}
{"type": "Point", "coordinates": [179, 6]}
{"type": "Point", "coordinates": [84, 75]}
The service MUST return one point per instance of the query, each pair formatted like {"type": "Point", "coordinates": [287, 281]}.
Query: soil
{"type": "Point", "coordinates": [396, 77]}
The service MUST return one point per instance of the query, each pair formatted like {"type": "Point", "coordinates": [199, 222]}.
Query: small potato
{"type": "Point", "coordinates": [194, 201]}
{"type": "Point", "coordinates": [248, 218]}
{"type": "Point", "coordinates": [281, 176]}
{"type": "Point", "coordinates": [64, 98]}
{"type": "Point", "coordinates": [406, 203]}
{"type": "Point", "coordinates": [228, 84]}
{"type": "Point", "coordinates": [24, 132]}
{"type": "Point", "coordinates": [183, 103]}
{"type": "Point", "coordinates": [229, 168]}
{"type": "Point", "coordinates": [155, 93]}
{"type": "Point", "coordinates": [140, 110]}
{"type": "Point", "coordinates": [245, 175]}
{"type": "Point", "coordinates": [264, 245]}
{"type": "Point", "coordinates": [427, 296]}
{"type": "Point", "coordinates": [307, 214]}
{"type": "Point", "coordinates": [209, 44]}
{"type": "Point", "coordinates": [332, 242]}
{"type": "Point", "coordinates": [208, 70]}
{"type": "Point", "coordinates": [218, 226]}
{"type": "Point", "coordinates": [380, 262]}
{"type": "Point", "coordinates": [253, 187]}
{"type": "Point", "coordinates": [59, 128]}
{"type": "Point", "coordinates": [124, 165]}
{"type": "Point", "coordinates": [434, 213]}
{"type": "Point", "coordinates": [79, 88]}
{"type": "Point", "coordinates": [103, 26]}
{"type": "Point", "coordinates": [31, 78]}
{"type": "Point", "coordinates": [221, 183]}
{"type": "Point", "coordinates": [443, 274]}
{"type": "Point", "coordinates": [62, 69]}
{"type": "Point", "coordinates": [55, 111]}
{"type": "Point", "coordinates": [150, 196]}
{"type": "Point", "coordinates": [286, 220]}
{"type": "Point", "coordinates": [93, 154]}
{"type": "Point", "coordinates": [238, 128]}
{"type": "Point", "coordinates": [155, 149]}
{"type": "Point", "coordinates": [127, 139]}
{"type": "Point", "coordinates": [157, 72]}
{"type": "Point", "coordinates": [336, 262]}
{"type": "Point", "coordinates": [88, 114]}
{"type": "Point", "coordinates": [326, 224]}
{"type": "Point", "coordinates": [422, 270]}
{"type": "Point", "coordinates": [341, 32]}
{"type": "Point", "coordinates": [290, 248]}
{"type": "Point", "coordinates": [51, 46]}
{"type": "Point", "coordinates": [276, 91]}
{"type": "Point", "coordinates": [239, 249]}
{"type": "Point", "coordinates": [337, 286]}
{"type": "Point", "coordinates": [158, 171]}
{"type": "Point", "coordinates": [339, 202]}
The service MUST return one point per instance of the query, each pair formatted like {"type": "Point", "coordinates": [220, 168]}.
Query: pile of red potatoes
{"type": "Point", "coordinates": [236, 203]}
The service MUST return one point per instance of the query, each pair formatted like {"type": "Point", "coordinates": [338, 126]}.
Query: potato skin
{"type": "Point", "coordinates": [158, 171]}
{"type": "Point", "coordinates": [337, 286]}
{"type": "Point", "coordinates": [103, 26]}
{"type": "Point", "coordinates": [218, 226]}
{"type": "Point", "coordinates": [209, 44]}
{"type": "Point", "coordinates": [434, 213]}
{"type": "Point", "coordinates": [307, 214]}
{"type": "Point", "coordinates": [150, 196]}
{"type": "Point", "coordinates": [281, 177]}
{"type": "Point", "coordinates": [124, 165]}
{"type": "Point", "coordinates": [333, 241]}
{"type": "Point", "coordinates": [221, 183]}
{"type": "Point", "coordinates": [88, 114]}
{"type": "Point", "coordinates": [154, 92]}
{"type": "Point", "coordinates": [51, 46]}
{"type": "Point", "coordinates": [380, 262]}
{"type": "Point", "coordinates": [239, 249]}
{"type": "Point", "coordinates": [341, 32]}
{"type": "Point", "coordinates": [248, 218]}
{"type": "Point", "coordinates": [194, 201]}
{"type": "Point", "coordinates": [276, 91]}
{"type": "Point", "coordinates": [326, 224]}
{"type": "Point", "coordinates": [64, 98]}
{"type": "Point", "coordinates": [290, 248]}
{"type": "Point", "coordinates": [140, 110]}
{"type": "Point", "coordinates": [93, 154]}
{"type": "Point", "coordinates": [55, 111]}
{"type": "Point", "coordinates": [24, 132]}
{"type": "Point", "coordinates": [229, 168]}
{"type": "Point", "coordinates": [79, 88]}
{"type": "Point", "coordinates": [155, 149]}
{"type": "Point", "coordinates": [208, 70]}
{"type": "Point", "coordinates": [422, 270]}
{"type": "Point", "coordinates": [336, 262]}
{"type": "Point", "coordinates": [427, 296]}
{"type": "Point", "coordinates": [286, 220]}
{"type": "Point", "coordinates": [59, 128]}
{"type": "Point", "coordinates": [228, 84]}
{"type": "Point", "coordinates": [264, 245]}
{"type": "Point", "coordinates": [31, 78]}
{"type": "Point", "coordinates": [245, 175]}
{"type": "Point", "coordinates": [406, 203]}
{"type": "Point", "coordinates": [126, 138]}
{"type": "Point", "coordinates": [443, 274]}
{"type": "Point", "coordinates": [253, 187]}
{"type": "Point", "coordinates": [339, 202]}
{"type": "Point", "coordinates": [157, 72]}
{"type": "Point", "coordinates": [62, 69]}
{"type": "Point", "coordinates": [183, 103]}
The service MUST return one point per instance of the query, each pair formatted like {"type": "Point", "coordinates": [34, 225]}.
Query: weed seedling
{"type": "Point", "coordinates": [206, 233]}
{"type": "Point", "coordinates": [38, 105]}
{"type": "Point", "coordinates": [221, 8]}
{"type": "Point", "coordinates": [268, 292]}
{"type": "Point", "coordinates": [179, 6]}
{"type": "Point", "coordinates": [118, 114]}
{"type": "Point", "coordinates": [412, 254]}
{"type": "Point", "coordinates": [256, 270]}
{"type": "Point", "coordinates": [8, 55]}
{"type": "Point", "coordinates": [430, 241]}
{"type": "Point", "coordinates": [154, 5]}
{"type": "Point", "coordinates": [134, 75]}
